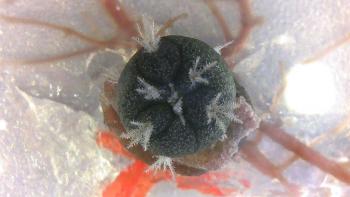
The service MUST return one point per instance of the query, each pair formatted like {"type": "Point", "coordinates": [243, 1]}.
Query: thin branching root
{"type": "Point", "coordinates": [41, 24]}
{"type": "Point", "coordinates": [169, 23]}
{"type": "Point", "coordinates": [162, 163]}
{"type": "Point", "coordinates": [140, 135]}
{"type": "Point", "coordinates": [235, 43]}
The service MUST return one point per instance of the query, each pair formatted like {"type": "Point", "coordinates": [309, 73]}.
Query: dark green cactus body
{"type": "Point", "coordinates": [167, 69]}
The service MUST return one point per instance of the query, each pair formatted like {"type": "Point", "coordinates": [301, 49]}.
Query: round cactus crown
{"type": "Point", "coordinates": [178, 99]}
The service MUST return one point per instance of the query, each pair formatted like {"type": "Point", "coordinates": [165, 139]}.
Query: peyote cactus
{"type": "Point", "coordinates": [177, 99]}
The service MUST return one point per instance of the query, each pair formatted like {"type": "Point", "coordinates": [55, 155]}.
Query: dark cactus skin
{"type": "Point", "coordinates": [170, 64]}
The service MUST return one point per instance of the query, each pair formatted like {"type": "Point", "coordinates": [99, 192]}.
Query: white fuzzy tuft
{"type": "Point", "coordinates": [148, 37]}
{"type": "Point", "coordinates": [217, 112]}
{"type": "Point", "coordinates": [195, 74]}
{"type": "Point", "coordinates": [141, 135]}
{"type": "Point", "coordinates": [223, 137]}
{"type": "Point", "coordinates": [162, 163]}
{"type": "Point", "coordinates": [220, 47]}
{"type": "Point", "coordinates": [177, 108]}
{"type": "Point", "coordinates": [176, 103]}
{"type": "Point", "coordinates": [148, 91]}
{"type": "Point", "coordinates": [174, 95]}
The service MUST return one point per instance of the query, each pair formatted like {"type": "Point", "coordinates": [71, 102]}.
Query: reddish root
{"type": "Point", "coordinates": [340, 127]}
{"type": "Point", "coordinates": [335, 131]}
{"type": "Point", "coordinates": [257, 139]}
{"type": "Point", "coordinates": [108, 110]}
{"type": "Point", "coordinates": [169, 23]}
{"type": "Point", "coordinates": [304, 152]}
{"type": "Point", "coordinates": [55, 58]}
{"type": "Point", "coordinates": [120, 17]}
{"type": "Point", "coordinates": [317, 56]}
{"type": "Point", "coordinates": [48, 59]}
{"type": "Point", "coordinates": [326, 135]}
{"type": "Point", "coordinates": [326, 51]}
{"type": "Point", "coordinates": [115, 10]}
{"type": "Point", "coordinates": [97, 44]}
{"type": "Point", "coordinates": [65, 30]}
{"type": "Point", "coordinates": [221, 20]}
{"type": "Point", "coordinates": [248, 22]}
{"type": "Point", "coordinates": [251, 154]}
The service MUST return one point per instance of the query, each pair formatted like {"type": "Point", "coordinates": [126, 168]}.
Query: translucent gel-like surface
{"type": "Point", "coordinates": [50, 113]}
